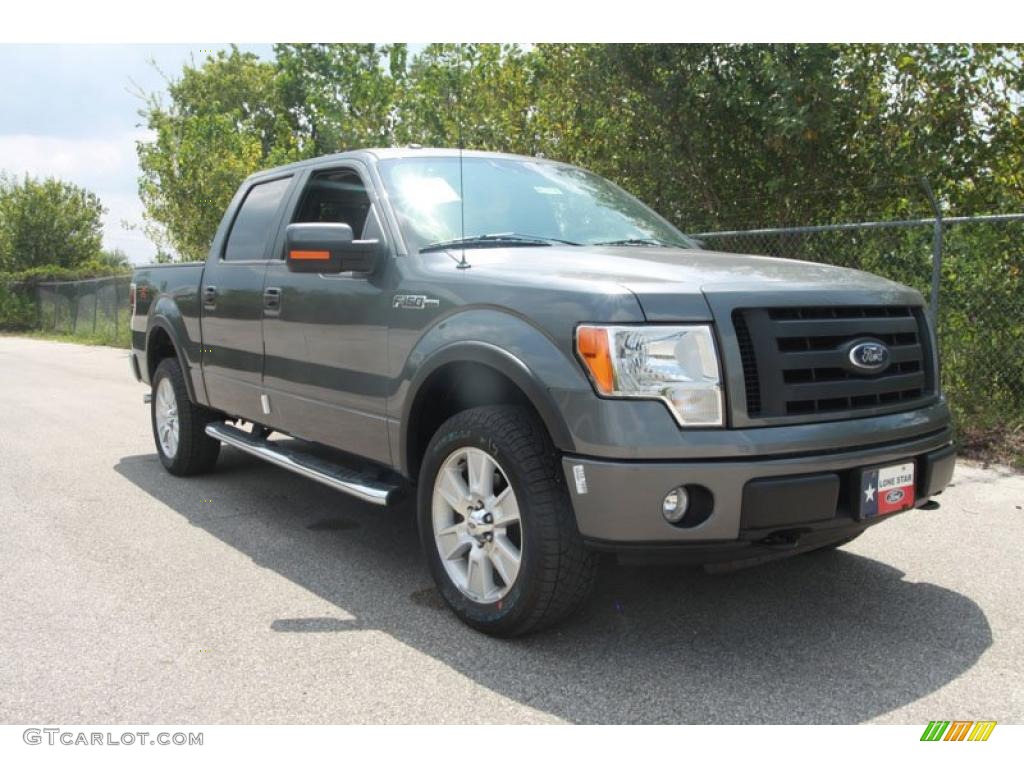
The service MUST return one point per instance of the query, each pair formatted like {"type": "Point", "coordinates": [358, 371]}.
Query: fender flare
{"type": "Point", "coordinates": [163, 323]}
{"type": "Point", "coordinates": [504, 363]}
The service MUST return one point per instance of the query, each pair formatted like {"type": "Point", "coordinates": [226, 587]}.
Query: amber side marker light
{"type": "Point", "coordinates": [592, 345]}
{"type": "Point", "coordinates": [310, 255]}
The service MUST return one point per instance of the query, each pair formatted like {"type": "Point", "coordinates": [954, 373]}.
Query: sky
{"type": "Point", "coordinates": [71, 111]}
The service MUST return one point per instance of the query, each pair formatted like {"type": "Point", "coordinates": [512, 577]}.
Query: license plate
{"type": "Point", "coordinates": [886, 489]}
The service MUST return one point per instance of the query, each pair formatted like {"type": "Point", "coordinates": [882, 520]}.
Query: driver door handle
{"type": "Point", "coordinates": [209, 297]}
{"type": "Point", "coordinates": [272, 301]}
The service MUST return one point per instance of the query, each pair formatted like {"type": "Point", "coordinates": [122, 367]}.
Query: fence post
{"type": "Point", "coordinates": [117, 313]}
{"type": "Point", "coordinates": [95, 306]}
{"type": "Point", "coordinates": [39, 308]}
{"type": "Point", "coordinates": [74, 313]}
{"type": "Point", "coordinates": [937, 236]}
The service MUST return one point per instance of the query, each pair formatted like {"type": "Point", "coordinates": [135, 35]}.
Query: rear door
{"type": "Point", "coordinates": [231, 297]}
{"type": "Point", "coordinates": [326, 364]}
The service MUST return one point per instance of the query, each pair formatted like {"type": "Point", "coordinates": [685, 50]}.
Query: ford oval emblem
{"type": "Point", "coordinates": [871, 356]}
{"type": "Point", "coordinates": [894, 497]}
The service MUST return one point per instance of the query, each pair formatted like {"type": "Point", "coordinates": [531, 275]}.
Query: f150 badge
{"type": "Point", "coordinates": [407, 301]}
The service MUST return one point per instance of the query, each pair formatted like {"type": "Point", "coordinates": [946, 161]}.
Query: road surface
{"type": "Point", "coordinates": [255, 596]}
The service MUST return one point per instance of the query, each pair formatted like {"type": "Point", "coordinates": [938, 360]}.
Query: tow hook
{"type": "Point", "coordinates": [781, 540]}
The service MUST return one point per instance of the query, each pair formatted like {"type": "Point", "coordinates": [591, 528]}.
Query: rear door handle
{"type": "Point", "coordinates": [272, 301]}
{"type": "Point", "coordinates": [209, 297]}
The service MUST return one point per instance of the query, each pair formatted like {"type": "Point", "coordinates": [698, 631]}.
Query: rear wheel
{"type": "Point", "coordinates": [496, 523]}
{"type": "Point", "coordinates": [179, 425]}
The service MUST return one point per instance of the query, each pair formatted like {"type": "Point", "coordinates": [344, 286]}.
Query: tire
{"type": "Point", "coordinates": [555, 571]}
{"type": "Point", "coordinates": [192, 452]}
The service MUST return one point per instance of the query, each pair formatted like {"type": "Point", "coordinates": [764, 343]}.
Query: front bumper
{"type": "Point", "coordinates": [762, 500]}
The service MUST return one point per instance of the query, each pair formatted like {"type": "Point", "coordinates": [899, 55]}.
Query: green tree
{"type": "Point", "coordinates": [720, 136]}
{"type": "Point", "coordinates": [116, 259]}
{"type": "Point", "coordinates": [712, 135]}
{"type": "Point", "coordinates": [48, 223]}
{"type": "Point", "coordinates": [479, 94]}
{"type": "Point", "coordinates": [339, 96]}
{"type": "Point", "coordinates": [223, 123]}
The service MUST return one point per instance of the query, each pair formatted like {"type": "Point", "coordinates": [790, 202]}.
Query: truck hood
{"type": "Point", "coordinates": [665, 280]}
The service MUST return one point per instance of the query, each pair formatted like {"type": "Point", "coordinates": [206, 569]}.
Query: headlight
{"type": "Point", "coordinates": [673, 363]}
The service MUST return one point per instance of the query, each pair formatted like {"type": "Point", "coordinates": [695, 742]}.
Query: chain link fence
{"type": "Point", "coordinates": [95, 309]}
{"type": "Point", "coordinates": [974, 268]}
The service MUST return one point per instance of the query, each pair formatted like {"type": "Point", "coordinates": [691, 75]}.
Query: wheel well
{"type": "Point", "coordinates": [159, 347]}
{"type": "Point", "coordinates": [452, 388]}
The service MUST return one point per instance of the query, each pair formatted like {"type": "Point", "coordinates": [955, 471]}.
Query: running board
{"type": "Point", "coordinates": [337, 476]}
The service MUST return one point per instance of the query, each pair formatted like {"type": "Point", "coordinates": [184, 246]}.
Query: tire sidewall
{"type": "Point", "coordinates": [519, 600]}
{"type": "Point", "coordinates": [166, 371]}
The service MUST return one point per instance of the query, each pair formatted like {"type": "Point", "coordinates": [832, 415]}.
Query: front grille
{"type": "Point", "coordinates": [751, 380]}
{"type": "Point", "coordinates": [796, 359]}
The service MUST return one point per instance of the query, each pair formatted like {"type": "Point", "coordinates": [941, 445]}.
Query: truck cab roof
{"type": "Point", "coordinates": [374, 154]}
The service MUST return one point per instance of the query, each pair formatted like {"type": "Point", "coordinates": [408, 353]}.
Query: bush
{"type": "Point", "coordinates": [17, 308]}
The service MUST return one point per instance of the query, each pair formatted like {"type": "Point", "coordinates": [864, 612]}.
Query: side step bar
{"type": "Point", "coordinates": [337, 476]}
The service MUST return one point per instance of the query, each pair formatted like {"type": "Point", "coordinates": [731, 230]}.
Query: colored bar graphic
{"type": "Point", "coordinates": [934, 730]}
{"type": "Point", "coordinates": [958, 730]}
{"type": "Point", "coordinates": [982, 730]}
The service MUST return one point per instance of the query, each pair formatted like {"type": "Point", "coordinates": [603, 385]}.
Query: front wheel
{"type": "Point", "coordinates": [496, 523]}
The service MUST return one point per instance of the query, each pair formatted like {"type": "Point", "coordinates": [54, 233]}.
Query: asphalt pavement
{"type": "Point", "coordinates": [251, 595]}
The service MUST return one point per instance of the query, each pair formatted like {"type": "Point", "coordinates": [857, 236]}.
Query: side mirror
{"type": "Point", "coordinates": [328, 249]}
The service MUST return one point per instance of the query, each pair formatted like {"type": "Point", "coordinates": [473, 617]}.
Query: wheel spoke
{"type": "Point", "coordinates": [453, 490]}
{"type": "Point", "coordinates": [479, 574]}
{"type": "Point", "coordinates": [480, 468]}
{"type": "Point", "coordinates": [505, 509]}
{"type": "Point", "coordinates": [505, 558]}
{"type": "Point", "coordinates": [453, 541]}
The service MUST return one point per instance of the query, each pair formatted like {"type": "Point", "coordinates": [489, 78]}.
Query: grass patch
{"type": "Point", "coordinates": [88, 339]}
{"type": "Point", "coordinates": [997, 444]}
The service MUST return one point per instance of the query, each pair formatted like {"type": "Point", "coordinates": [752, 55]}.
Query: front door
{"type": "Point", "coordinates": [231, 298]}
{"type": "Point", "coordinates": [325, 336]}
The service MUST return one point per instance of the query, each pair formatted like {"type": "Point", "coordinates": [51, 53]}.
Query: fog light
{"type": "Point", "coordinates": [674, 507]}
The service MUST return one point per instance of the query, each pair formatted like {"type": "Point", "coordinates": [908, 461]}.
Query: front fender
{"type": "Point", "coordinates": [500, 340]}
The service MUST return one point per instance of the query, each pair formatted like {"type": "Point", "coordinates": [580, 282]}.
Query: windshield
{"type": "Point", "coordinates": [527, 199]}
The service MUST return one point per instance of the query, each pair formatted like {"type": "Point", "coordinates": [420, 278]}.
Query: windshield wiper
{"type": "Point", "coordinates": [651, 241]}
{"type": "Point", "coordinates": [494, 240]}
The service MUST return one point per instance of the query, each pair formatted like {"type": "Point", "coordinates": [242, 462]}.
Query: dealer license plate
{"type": "Point", "coordinates": [886, 489]}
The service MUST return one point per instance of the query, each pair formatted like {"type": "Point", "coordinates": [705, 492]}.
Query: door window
{"type": "Point", "coordinates": [254, 223]}
{"type": "Point", "coordinates": [337, 196]}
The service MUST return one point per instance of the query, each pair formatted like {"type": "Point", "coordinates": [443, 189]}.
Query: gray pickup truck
{"type": "Point", "coordinates": [546, 366]}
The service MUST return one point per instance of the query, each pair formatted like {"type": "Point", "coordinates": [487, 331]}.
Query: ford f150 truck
{"type": "Point", "coordinates": [549, 367]}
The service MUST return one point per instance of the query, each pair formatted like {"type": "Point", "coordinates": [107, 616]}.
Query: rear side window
{"type": "Point", "coordinates": [254, 223]}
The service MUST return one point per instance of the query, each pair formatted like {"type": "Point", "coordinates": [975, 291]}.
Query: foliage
{"type": "Point", "coordinates": [47, 222]}
{"type": "Point", "coordinates": [50, 273]}
{"type": "Point", "coordinates": [17, 308]}
{"type": "Point", "coordinates": [337, 97]}
{"type": "Point", "coordinates": [19, 291]}
{"type": "Point", "coordinates": [220, 127]}
{"type": "Point", "coordinates": [713, 136]}
{"type": "Point", "coordinates": [116, 258]}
